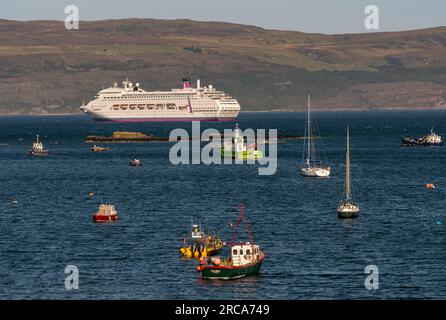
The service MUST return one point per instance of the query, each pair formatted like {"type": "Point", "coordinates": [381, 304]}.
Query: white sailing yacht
{"type": "Point", "coordinates": [348, 209]}
{"type": "Point", "coordinates": [312, 166]}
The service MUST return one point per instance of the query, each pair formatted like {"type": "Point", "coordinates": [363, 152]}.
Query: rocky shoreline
{"type": "Point", "coordinates": [141, 137]}
{"type": "Point", "coordinates": [126, 137]}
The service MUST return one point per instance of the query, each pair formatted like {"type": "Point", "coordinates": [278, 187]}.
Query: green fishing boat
{"type": "Point", "coordinates": [237, 148]}
{"type": "Point", "coordinates": [246, 259]}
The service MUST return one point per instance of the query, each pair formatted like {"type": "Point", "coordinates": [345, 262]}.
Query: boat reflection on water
{"type": "Point", "coordinates": [244, 288]}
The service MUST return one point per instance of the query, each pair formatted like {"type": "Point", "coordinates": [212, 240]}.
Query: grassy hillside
{"type": "Point", "coordinates": [46, 68]}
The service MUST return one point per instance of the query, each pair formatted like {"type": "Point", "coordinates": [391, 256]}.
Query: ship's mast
{"type": "Point", "coordinates": [309, 131]}
{"type": "Point", "coordinates": [248, 229]}
{"type": "Point", "coordinates": [348, 193]}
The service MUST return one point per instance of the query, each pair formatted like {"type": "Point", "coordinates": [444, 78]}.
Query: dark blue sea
{"type": "Point", "coordinates": [310, 253]}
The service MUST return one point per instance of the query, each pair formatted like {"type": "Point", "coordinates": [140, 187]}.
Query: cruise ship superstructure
{"type": "Point", "coordinates": [130, 103]}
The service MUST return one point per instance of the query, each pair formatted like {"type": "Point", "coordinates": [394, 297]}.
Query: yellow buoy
{"type": "Point", "coordinates": [188, 253]}
{"type": "Point", "coordinates": [204, 253]}
{"type": "Point", "coordinates": [182, 250]}
{"type": "Point", "coordinates": [196, 254]}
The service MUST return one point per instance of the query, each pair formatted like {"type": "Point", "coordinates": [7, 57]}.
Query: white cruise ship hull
{"type": "Point", "coordinates": [165, 119]}
{"type": "Point", "coordinates": [103, 117]}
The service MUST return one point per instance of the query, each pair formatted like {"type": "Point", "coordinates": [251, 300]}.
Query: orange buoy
{"type": "Point", "coordinates": [199, 269]}
{"type": "Point", "coordinates": [430, 186]}
{"type": "Point", "coordinates": [202, 260]}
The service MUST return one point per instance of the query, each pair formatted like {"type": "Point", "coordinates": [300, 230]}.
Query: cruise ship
{"type": "Point", "coordinates": [130, 103]}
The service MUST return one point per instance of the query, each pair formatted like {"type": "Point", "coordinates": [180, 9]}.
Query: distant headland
{"type": "Point", "coordinates": [46, 69]}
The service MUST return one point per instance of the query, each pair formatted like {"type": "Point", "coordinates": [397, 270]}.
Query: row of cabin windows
{"type": "Point", "coordinates": [136, 98]}
{"type": "Point", "coordinates": [169, 106]}
{"type": "Point", "coordinates": [248, 251]}
{"type": "Point", "coordinates": [144, 97]}
{"type": "Point", "coordinates": [164, 97]}
{"type": "Point", "coordinates": [151, 106]}
{"type": "Point", "coordinates": [234, 252]}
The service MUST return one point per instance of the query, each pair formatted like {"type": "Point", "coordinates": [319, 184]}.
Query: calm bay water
{"type": "Point", "coordinates": [310, 254]}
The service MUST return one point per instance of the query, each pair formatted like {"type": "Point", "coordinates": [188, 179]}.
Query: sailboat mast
{"type": "Point", "coordinates": [347, 167]}
{"type": "Point", "coordinates": [308, 130]}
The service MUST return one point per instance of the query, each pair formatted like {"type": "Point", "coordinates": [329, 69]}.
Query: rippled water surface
{"type": "Point", "coordinates": [310, 254]}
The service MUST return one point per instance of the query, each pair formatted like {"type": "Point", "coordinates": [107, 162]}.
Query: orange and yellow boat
{"type": "Point", "coordinates": [201, 244]}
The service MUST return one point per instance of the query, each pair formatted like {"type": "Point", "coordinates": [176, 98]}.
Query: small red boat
{"type": "Point", "coordinates": [106, 213]}
{"type": "Point", "coordinates": [135, 163]}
